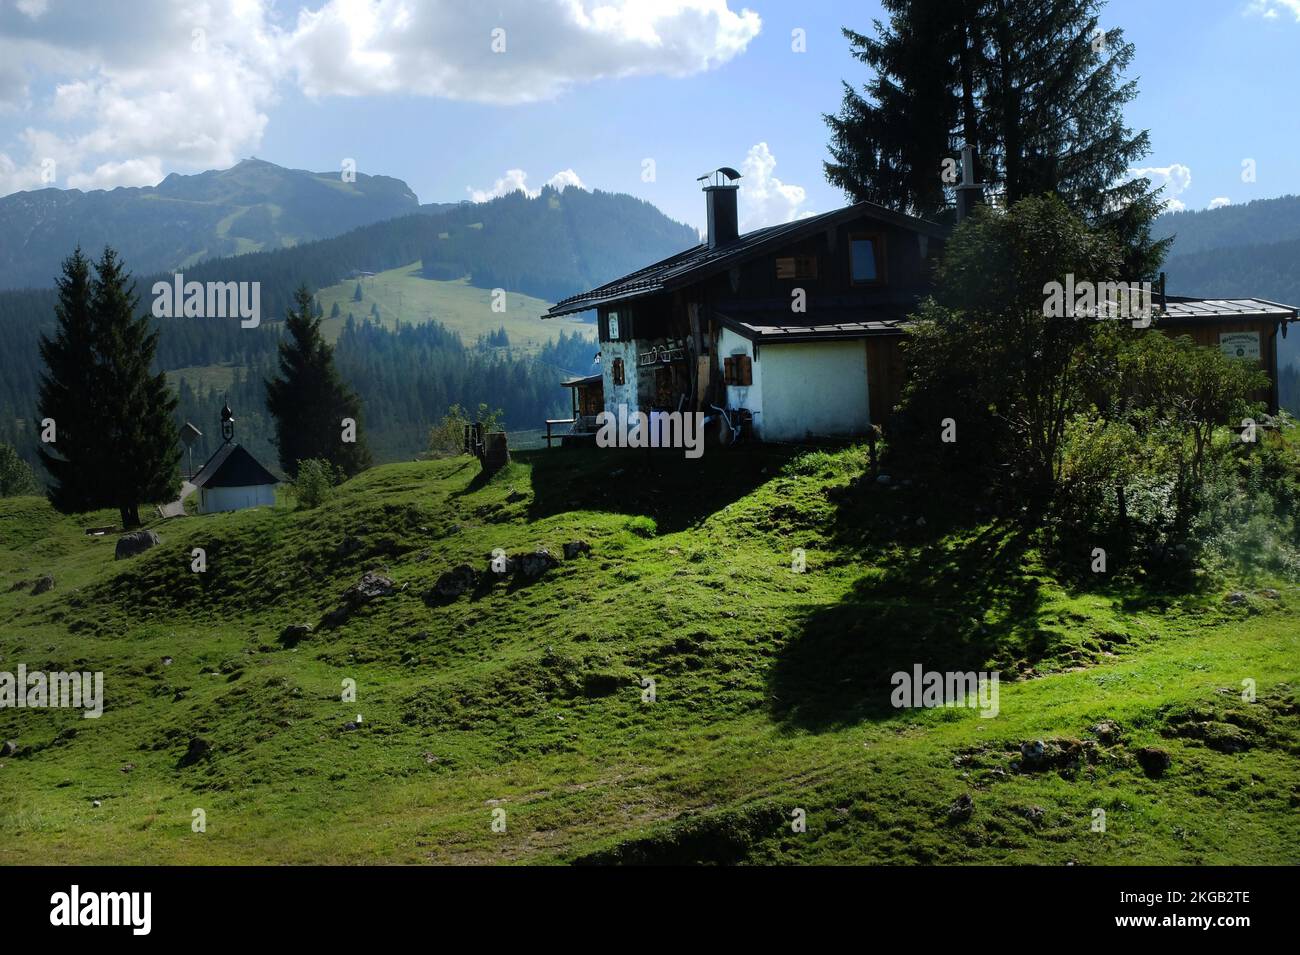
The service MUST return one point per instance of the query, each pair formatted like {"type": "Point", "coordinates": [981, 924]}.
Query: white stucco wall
{"type": "Point", "coordinates": [743, 396]}
{"type": "Point", "coordinates": [212, 500]}
{"type": "Point", "coordinates": [812, 389]}
{"type": "Point", "coordinates": [625, 394]}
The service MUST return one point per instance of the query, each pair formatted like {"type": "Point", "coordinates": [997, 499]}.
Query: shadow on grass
{"type": "Point", "coordinates": [948, 606]}
{"type": "Point", "coordinates": [662, 484]}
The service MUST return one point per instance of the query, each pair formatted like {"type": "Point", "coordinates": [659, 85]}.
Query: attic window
{"type": "Point", "coordinates": [737, 370]}
{"type": "Point", "coordinates": [796, 267]}
{"type": "Point", "coordinates": [866, 258]}
{"type": "Point", "coordinates": [613, 326]}
{"type": "Point", "coordinates": [617, 372]}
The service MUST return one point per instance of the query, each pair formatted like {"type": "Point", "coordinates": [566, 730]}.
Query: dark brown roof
{"type": "Point", "coordinates": [232, 466]}
{"type": "Point", "coordinates": [697, 262]}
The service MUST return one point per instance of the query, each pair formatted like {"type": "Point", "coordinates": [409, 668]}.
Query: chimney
{"type": "Point", "coordinates": [969, 192]}
{"type": "Point", "coordinates": [720, 197]}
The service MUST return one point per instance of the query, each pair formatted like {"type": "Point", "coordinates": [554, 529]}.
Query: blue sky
{"type": "Point", "coordinates": [123, 93]}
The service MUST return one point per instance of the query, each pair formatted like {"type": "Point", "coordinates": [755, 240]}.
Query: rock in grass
{"type": "Point", "coordinates": [460, 579]}
{"type": "Point", "coordinates": [1153, 760]}
{"type": "Point", "coordinates": [1107, 732]}
{"type": "Point", "coordinates": [369, 587]}
{"type": "Point", "coordinates": [573, 548]}
{"type": "Point", "coordinates": [138, 542]}
{"type": "Point", "coordinates": [43, 585]}
{"type": "Point", "coordinates": [962, 808]}
{"type": "Point", "coordinates": [294, 633]}
{"type": "Point", "coordinates": [198, 749]}
{"type": "Point", "coordinates": [534, 565]}
{"type": "Point", "coordinates": [1226, 738]}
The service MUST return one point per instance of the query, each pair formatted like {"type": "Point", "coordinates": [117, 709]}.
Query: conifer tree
{"type": "Point", "coordinates": [67, 402]}
{"type": "Point", "coordinates": [309, 399]}
{"type": "Point", "coordinates": [113, 418]}
{"type": "Point", "coordinates": [139, 409]}
{"type": "Point", "coordinates": [1037, 89]}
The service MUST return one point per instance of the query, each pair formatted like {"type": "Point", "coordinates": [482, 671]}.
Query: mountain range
{"type": "Point", "coordinates": [252, 206]}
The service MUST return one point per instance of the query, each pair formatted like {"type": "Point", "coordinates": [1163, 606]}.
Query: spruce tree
{"type": "Point", "coordinates": [1035, 88]}
{"type": "Point", "coordinates": [309, 400]}
{"type": "Point", "coordinates": [138, 415]}
{"type": "Point", "coordinates": [67, 402]}
{"type": "Point", "coordinates": [115, 434]}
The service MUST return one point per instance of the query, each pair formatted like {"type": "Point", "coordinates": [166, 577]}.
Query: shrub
{"type": "Point", "coordinates": [447, 438]}
{"type": "Point", "coordinates": [16, 475]}
{"type": "Point", "coordinates": [315, 482]}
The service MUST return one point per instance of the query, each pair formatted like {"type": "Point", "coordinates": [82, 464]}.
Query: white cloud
{"type": "Point", "coordinates": [144, 84]}
{"type": "Point", "coordinates": [764, 199]}
{"type": "Point", "coordinates": [110, 175]}
{"type": "Point", "coordinates": [1269, 9]}
{"type": "Point", "coordinates": [1218, 202]}
{"type": "Point", "coordinates": [137, 86]}
{"type": "Point", "coordinates": [1175, 178]}
{"type": "Point", "coordinates": [513, 51]}
{"type": "Point", "coordinates": [32, 8]}
{"type": "Point", "coordinates": [516, 180]}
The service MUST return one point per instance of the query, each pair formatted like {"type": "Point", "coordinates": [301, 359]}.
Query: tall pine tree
{"type": "Point", "coordinates": [309, 399]}
{"type": "Point", "coordinates": [1036, 88]}
{"type": "Point", "coordinates": [115, 433]}
{"type": "Point", "coordinates": [67, 402]}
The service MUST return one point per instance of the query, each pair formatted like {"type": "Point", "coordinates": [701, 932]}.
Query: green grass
{"type": "Point", "coordinates": [403, 294]}
{"type": "Point", "coordinates": [772, 687]}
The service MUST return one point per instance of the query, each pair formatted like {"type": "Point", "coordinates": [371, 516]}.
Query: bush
{"type": "Point", "coordinates": [447, 439]}
{"type": "Point", "coordinates": [16, 475]}
{"type": "Point", "coordinates": [315, 482]}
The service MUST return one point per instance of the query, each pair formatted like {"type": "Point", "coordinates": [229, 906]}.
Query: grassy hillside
{"type": "Point", "coordinates": [772, 687]}
{"type": "Point", "coordinates": [403, 294]}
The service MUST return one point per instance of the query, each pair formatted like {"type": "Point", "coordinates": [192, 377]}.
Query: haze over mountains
{"type": "Point", "coordinates": [249, 207]}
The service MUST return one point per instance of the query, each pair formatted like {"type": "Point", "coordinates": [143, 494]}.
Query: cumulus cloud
{"type": "Point", "coordinates": [1270, 9]}
{"type": "Point", "coordinates": [764, 199]}
{"type": "Point", "coordinates": [110, 175]}
{"type": "Point", "coordinates": [1175, 179]}
{"type": "Point", "coordinates": [1218, 202]}
{"type": "Point", "coordinates": [136, 85]}
{"type": "Point", "coordinates": [133, 86]}
{"type": "Point", "coordinates": [509, 52]}
{"type": "Point", "coordinates": [516, 180]}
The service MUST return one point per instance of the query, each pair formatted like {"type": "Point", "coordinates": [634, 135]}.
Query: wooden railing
{"type": "Point", "coordinates": [551, 422]}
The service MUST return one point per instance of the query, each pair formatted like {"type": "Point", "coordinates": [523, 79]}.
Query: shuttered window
{"type": "Point", "coordinates": [796, 267]}
{"type": "Point", "coordinates": [617, 371]}
{"type": "Point", "coordinates": [737, 370]}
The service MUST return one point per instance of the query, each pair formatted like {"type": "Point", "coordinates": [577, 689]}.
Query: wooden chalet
{"type": "Point", "coordinates": [796, 327]}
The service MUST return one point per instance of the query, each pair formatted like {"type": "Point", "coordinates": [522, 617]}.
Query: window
{"type": "Point", "coordinates": [796, 267]}
{"type": "Point", "coordinates": [613, 326]}
{"type": "Point", "coordinates": [617, 371]}
{"type": "Point", "coordinates": [737, 370]}
{"type": "Point", "coordinates": [866, 259]}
